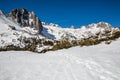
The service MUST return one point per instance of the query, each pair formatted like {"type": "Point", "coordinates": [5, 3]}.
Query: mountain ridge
{"type": "Point", "coordinates": [20, 34]}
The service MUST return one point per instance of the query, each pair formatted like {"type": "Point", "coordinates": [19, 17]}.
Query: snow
{"type": "Point", "coordinates": [11, 32]}
{"type": "Point", "coordinates": [99, 62]}
{"type": "Point", "coordinates": [75, 34]}
{"type": "Point", "coordinates": [8, 36]}
{"type": "Point", "coordinates": [9, 22]}
{"type": "Point", "coordinates": [6, 33]}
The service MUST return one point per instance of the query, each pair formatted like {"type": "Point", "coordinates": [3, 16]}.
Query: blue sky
{"type": "Point", "coordinates": [69, 12]}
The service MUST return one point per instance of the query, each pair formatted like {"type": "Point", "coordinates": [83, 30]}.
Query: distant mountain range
{"type": "Point", "coordinates": [23, 30]}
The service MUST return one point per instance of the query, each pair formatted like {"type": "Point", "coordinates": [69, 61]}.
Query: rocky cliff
{"type": "Point", "coordinates": [26, 19]}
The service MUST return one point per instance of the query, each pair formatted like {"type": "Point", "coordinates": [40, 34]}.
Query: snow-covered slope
{"type": "Point", "coordinates": [98, 30]}
{"type": "Point", "coordinates": [16, 37]}
{"type": "Point", "coordinates": [11, 33]}
{"type": "Point", "coordinates": [5, 23]}
{"type": "Point", "coordinates": [99, 62]}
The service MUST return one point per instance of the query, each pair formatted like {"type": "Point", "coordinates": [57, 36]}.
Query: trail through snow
{"type": "Point", "coordinates": [99, 62]}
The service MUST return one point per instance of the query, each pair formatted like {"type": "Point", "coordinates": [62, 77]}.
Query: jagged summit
{"type": "Point", "coordinates": [100, 24]}
{"type": "Point", "coordinates": [21, 16]}
{"type": "Point", "coordinates": [25, 18]}
{"type": "Point", "coordinates": [103, 25]}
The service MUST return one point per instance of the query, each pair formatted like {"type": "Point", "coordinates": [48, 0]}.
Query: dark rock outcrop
{"type": "Point", "coordinates": [26, 19]}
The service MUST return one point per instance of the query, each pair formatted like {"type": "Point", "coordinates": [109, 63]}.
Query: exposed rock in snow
{"type": "Point", "coordinates": [25, 18]}
{"type": "Point", "coordinates": [98, 62]}
{"type": "Point", "coordinates": [18, 32]}
{"type": "Point", "coordinates": [15, 37]}
{"type": "Point", "coordinates": [98, 30]}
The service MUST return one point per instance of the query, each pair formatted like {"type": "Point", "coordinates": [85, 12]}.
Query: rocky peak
{"type": "Point", "coordinates": [100, 24]}
{"type": "Point", "coordinates": [104, 24]}
{"type": "Point", "coordinates": [26, 19]}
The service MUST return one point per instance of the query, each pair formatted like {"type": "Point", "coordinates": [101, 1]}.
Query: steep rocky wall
{"type": "Point", "coordinates": [26, 19]}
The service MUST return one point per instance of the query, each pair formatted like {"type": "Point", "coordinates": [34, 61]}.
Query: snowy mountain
{"type": "Point", "coordinates": [22, 30]}
{"type": "Point", "coordinates": [13, 36]}
{"type": "Point", "coordinates": [25, 18]}
{"type": "Point", "coordinates": [99, 30]}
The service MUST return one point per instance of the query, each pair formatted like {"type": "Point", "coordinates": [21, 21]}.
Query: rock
{"type": "Point", "coordinates": [26, 19]}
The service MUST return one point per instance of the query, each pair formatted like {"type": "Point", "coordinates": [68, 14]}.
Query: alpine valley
{"type": "Point", "coordinates": [87, 53]}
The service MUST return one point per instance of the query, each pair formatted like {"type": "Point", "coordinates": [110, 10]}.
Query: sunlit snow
{"type": "Point", "coordinates": [99, 62]}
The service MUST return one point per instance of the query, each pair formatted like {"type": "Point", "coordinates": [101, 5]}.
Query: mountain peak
{"type": "Point", "coordinates": [100, 25]}
{"type": "Point", "coordinates": [25, 18]}
{"type": "Point", "coordinates": [17, 32]}
{"type": "Point", "coordinates": [103, 24]}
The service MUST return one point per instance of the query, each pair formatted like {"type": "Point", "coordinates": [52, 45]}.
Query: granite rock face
{"type": "Point", "coordinates": [26, 19]}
